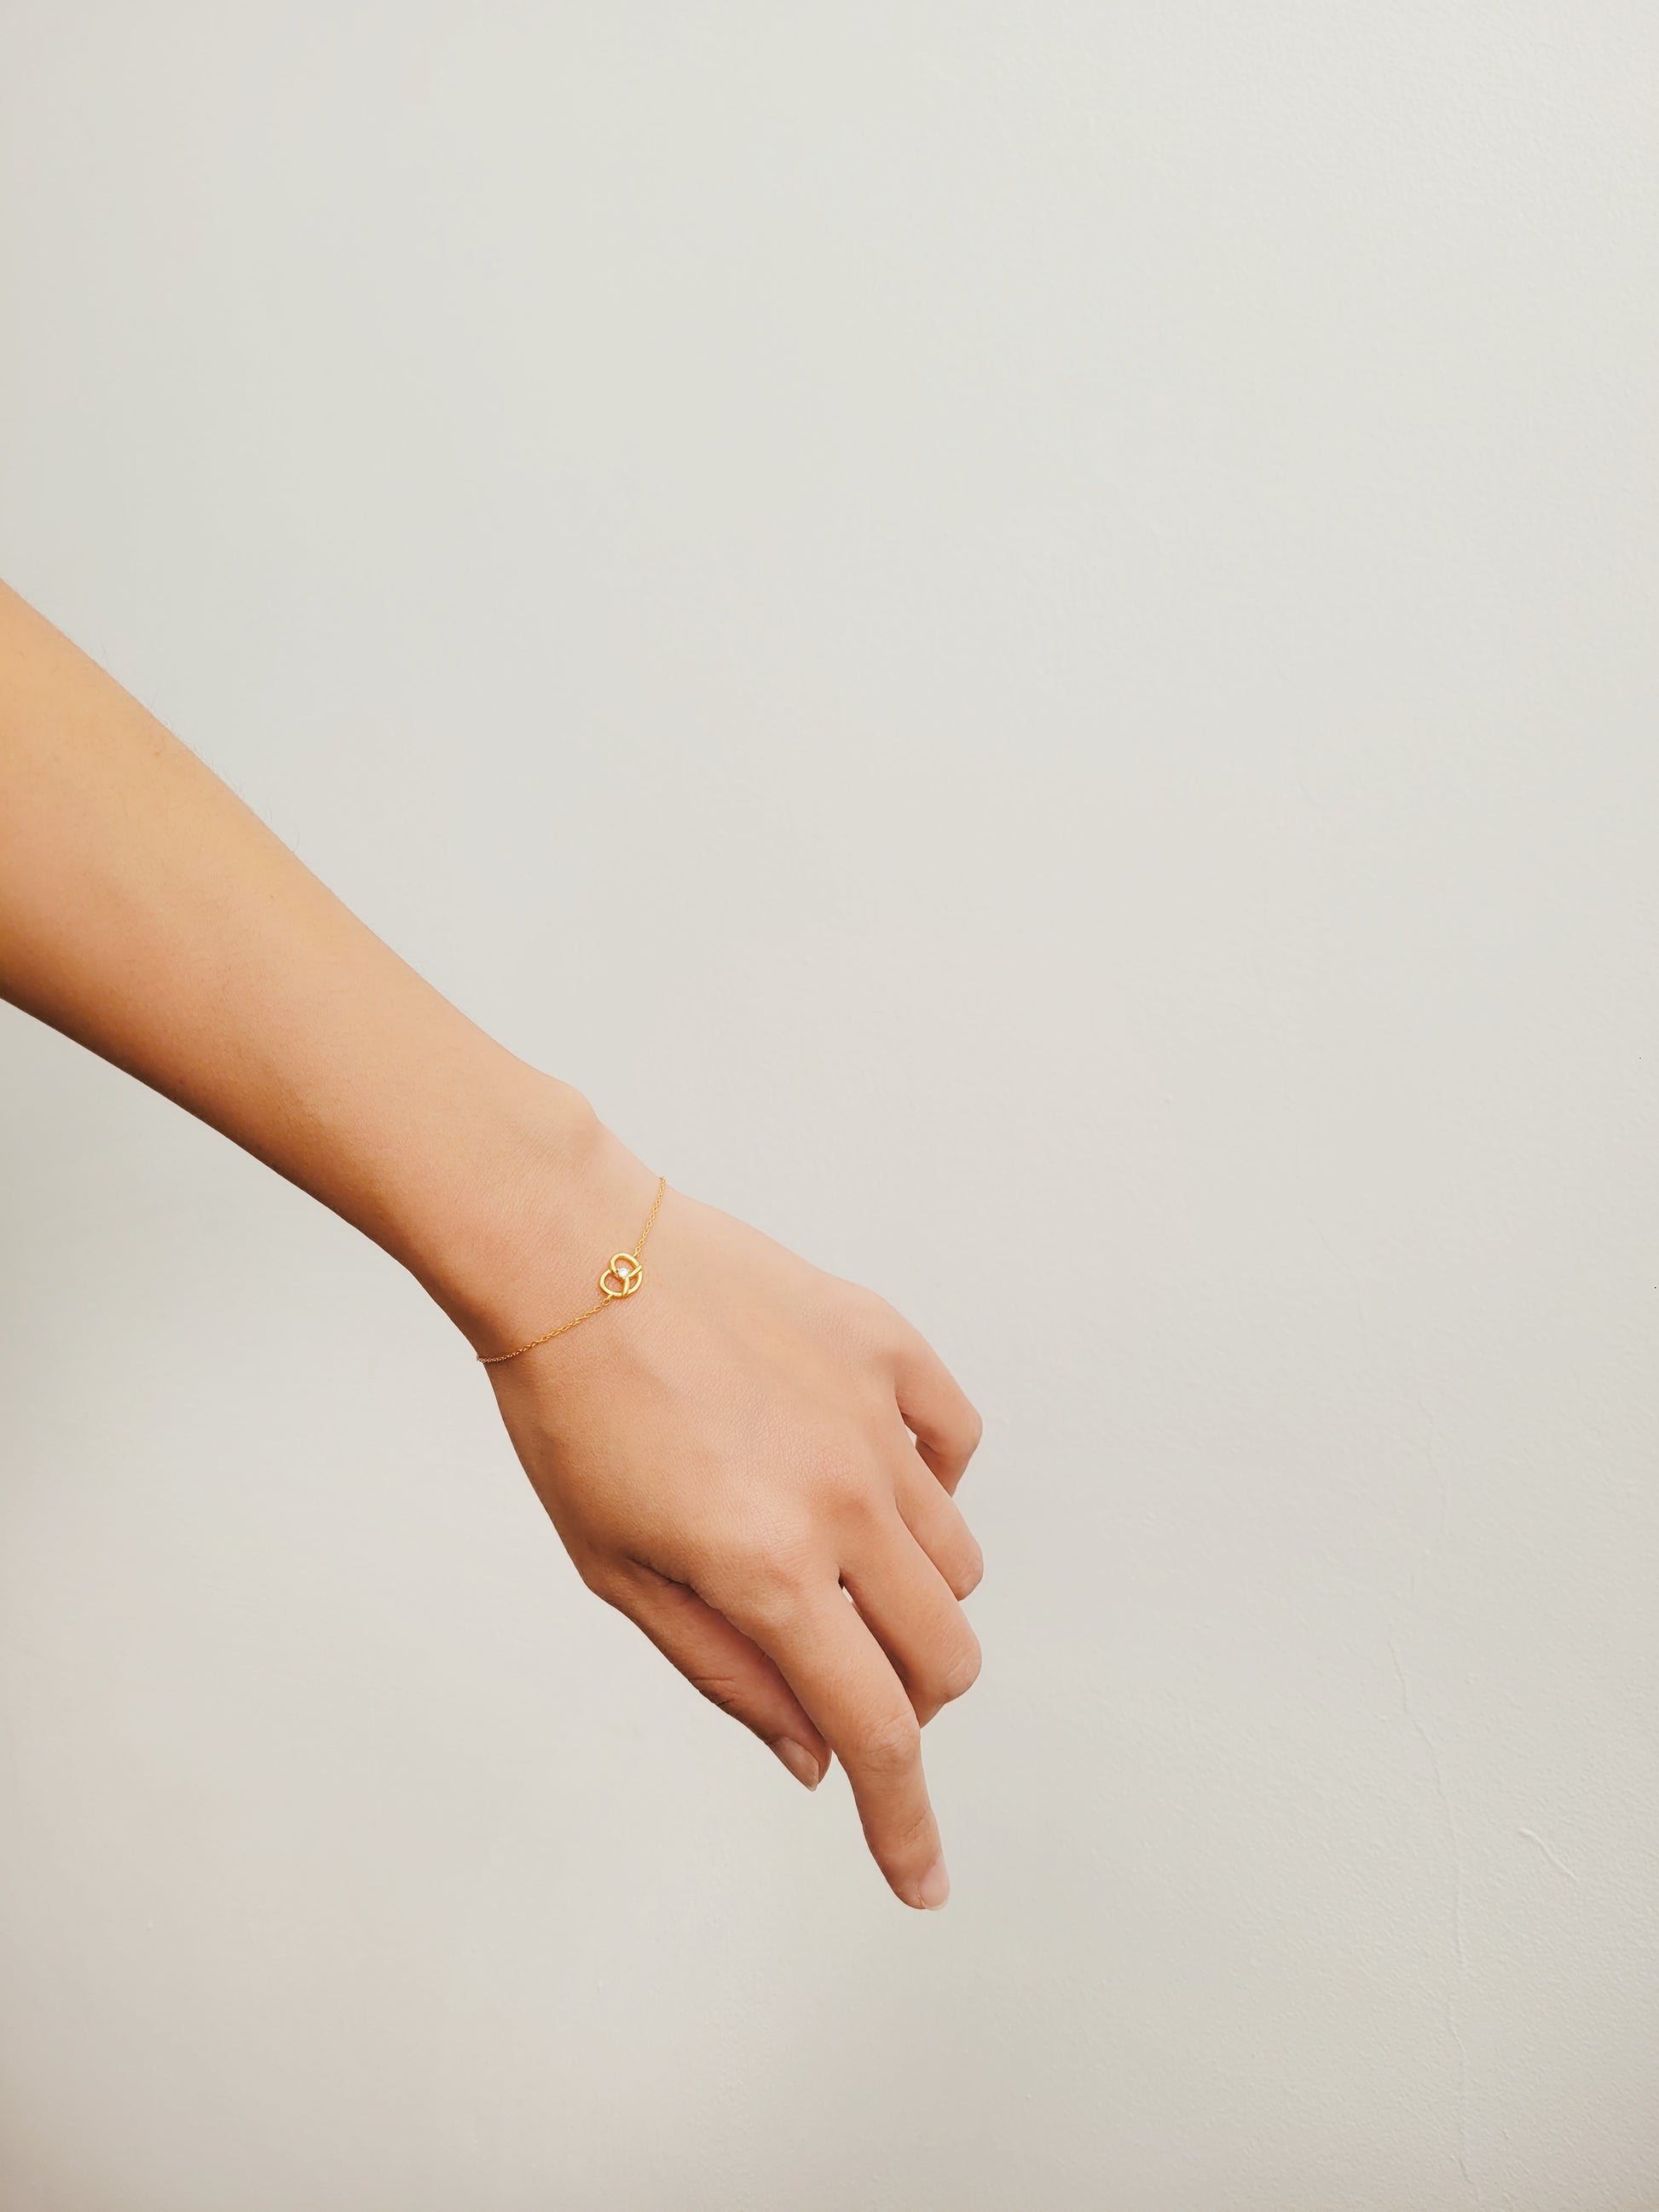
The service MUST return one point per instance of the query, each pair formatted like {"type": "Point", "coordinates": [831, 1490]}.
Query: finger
{"type": "Point", "coordinates": [912, 1613]}
{"type": "Point", "coordinates": [936, 1411]}
{"type": "Point", "coordinates": [719, 1660]}
{"type": "Point", "coordinates": [934, 1519]}
{"type": "Point", "coordinates": [842, 1677]}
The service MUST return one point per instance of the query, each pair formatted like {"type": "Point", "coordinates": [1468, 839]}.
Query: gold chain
{"type": "Point", "coordinates": [621, 1276]}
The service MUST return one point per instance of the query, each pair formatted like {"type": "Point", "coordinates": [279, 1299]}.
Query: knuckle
{"type": "Point", "coordinates": [741, 1556]}
{"type": "Point", "coordinates": [890, 1746]}
{"type": "Point", "coordinates": [755, 1578]}
{"type": "Point", "coordinates": [721, 1690]}
{"type": "Point", "coordinates": [842, 1487]}
{"type": "Point", "coordinates": [961, 1672]}
{"type": "Point", "coordinates": [973, 1431]}
{"type": "Point", "coordinates": [830, 1472]}
{"type": "Point", "coordinates": [911, 1839]}
{"type": "Point", "coordinates": [968, 1573]}
{"type": "Point", "coordinates": [948, 1674]}
{"type": "Point", "coordinates": [762, 1610]}
{"type": "Point", "coordinates": [872, 1323]}
{"type": "Point", "coordinates": [906, 1846]}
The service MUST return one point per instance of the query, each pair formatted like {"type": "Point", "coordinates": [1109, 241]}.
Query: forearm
{"type": "Point", "coordinates": [729, 1466]}
{"type": "Point", "coordinates": [147, 913]}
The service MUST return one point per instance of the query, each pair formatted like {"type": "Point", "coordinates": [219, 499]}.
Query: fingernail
{"type": "Point", "coordinates": [799, 1762]}
{"type": "Point", "coordinates": [933, 1890]}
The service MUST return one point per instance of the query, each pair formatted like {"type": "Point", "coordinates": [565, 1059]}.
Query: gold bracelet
{"type": "Point", "coordinates": [622, 1276]}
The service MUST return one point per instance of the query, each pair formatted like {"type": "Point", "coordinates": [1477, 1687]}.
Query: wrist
{"type": "Point", "coordinates": [543, 1194]}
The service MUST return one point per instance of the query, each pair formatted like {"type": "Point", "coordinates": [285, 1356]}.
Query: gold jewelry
{"type": "Point", "coordinates": [622, 1274]}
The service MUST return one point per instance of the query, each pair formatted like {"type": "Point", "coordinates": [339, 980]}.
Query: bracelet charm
{"type": "Point", "coordinates": [622, 1277]}
{"type": "Point", "coordinates": [624, 1274]}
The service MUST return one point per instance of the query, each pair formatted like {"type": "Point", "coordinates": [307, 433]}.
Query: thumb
{"type": "Point", "coordinates": [719, 1660]}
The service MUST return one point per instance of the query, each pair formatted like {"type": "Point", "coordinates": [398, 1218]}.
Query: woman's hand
{"type": "Point", "coordinates": [732, 1456]}
{"type": "Point", "coordinates": [729, 1457]}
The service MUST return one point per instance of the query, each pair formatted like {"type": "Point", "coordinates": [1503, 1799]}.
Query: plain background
{"type": "Point", "coordinates": [1022, 636]}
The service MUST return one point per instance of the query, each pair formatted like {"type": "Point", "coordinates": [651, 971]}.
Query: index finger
{"type": "Point", "coordinates": [847, 1685]}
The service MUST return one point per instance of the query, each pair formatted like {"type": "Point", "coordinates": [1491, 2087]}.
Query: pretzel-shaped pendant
{"type": "Point", "coordinates": [622, 1277]}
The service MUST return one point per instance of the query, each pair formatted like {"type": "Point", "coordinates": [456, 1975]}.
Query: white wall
{"type": "Point", "coordinates": [1023, 636]}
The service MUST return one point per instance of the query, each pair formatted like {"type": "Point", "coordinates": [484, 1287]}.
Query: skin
{"type": "Point", "coordinates": [753, 1460]}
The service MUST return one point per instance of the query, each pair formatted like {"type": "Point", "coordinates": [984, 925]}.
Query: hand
{"type": "Point", "coordinates": [733, 1454]}
{"type": "Point", "coordinates": [730, 1457]}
